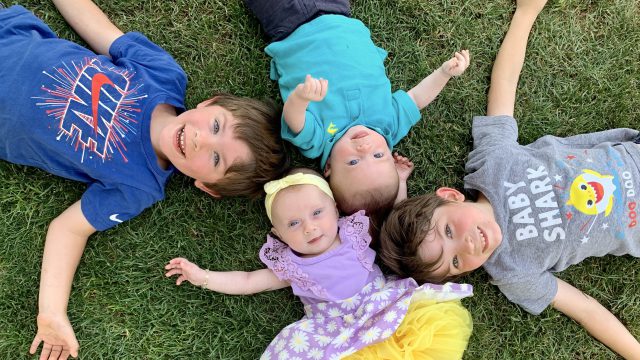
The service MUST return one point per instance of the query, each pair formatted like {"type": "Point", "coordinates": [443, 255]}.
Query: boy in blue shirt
{"type": "Point", "coordinates": [538, 208]}
{"type": "Point", "coordinates": [339, 106]}
{"type": "Point", "coordinates": [116, 121]}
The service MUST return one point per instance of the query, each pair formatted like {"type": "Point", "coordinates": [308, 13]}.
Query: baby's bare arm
{"type": "Point", "coordinates": [596, 319]}
{"type": "Point", "coordinates": [295, 108]}
{"type": "Point", "coordinates": [226, 282]}
{"type": "Point", "coordinates": [429, 88]}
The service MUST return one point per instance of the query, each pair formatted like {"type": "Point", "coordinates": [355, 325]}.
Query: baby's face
{"type": "Point", "coordinates": [463, 236]}
{"type": "Point", "coordinates": [306, 219]}
{"type": "Point", "coordinates": [360, 160]}
{"type": "Point", "coordinates": [360, 148]}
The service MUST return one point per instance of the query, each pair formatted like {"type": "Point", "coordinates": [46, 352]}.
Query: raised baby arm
{"type": "Point", "coordinates": [295, 108]}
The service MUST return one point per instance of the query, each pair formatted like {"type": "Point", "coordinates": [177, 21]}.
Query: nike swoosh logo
{"type": "Point", "coordinates": [114, 217]}
{"type": "Point", "coordinates": [97, 82]}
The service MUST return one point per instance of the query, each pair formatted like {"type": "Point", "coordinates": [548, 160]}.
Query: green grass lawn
{"type": "Point", "coordinates": [581, 75]}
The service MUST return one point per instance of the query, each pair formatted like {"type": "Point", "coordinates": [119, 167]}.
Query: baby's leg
{"type": "Point", "coordinates": [279, 18]}
{"type": "Point", "coordinates": [510, 58]}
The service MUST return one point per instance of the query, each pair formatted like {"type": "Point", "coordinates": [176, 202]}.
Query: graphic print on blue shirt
{"type": "Point", "coordinates": [93, 107]}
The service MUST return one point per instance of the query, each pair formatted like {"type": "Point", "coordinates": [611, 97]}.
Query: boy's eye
{"type": "Point", "coordinates": [216, 126]}
{"type": "Point", "coordinates": [317, 212]}
{"type": "Point", "coordinates": [353, 162]}
{"type": "Point", "coordinates": [378, 155]}
{"type": "Point", "coordinates": [455, 262]}
{"type": "Point", "coordinates": [447, 231]}
{"type": "Point", "coordinates": [216, 159]}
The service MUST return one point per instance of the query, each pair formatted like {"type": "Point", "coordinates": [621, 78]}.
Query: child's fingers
{"type": "Point", "coordinates": [325, 86]}
{"type": "Point", "coordinates": [177, 260]}
{"type": "Point", "coordinates": [34, 344]}
{"type": "Point", "coordinates": [173, 272]}
{"type": "Point", "coordinates": [180, 279]}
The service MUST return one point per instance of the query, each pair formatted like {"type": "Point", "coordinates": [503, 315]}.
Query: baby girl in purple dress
{"type": "Point", "coordinates": [351, 309]}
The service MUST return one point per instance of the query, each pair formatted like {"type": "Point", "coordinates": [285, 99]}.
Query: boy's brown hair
{"type": "Point", "coordinates": [402, 233]}
{"type": "Point", "coordinates": [258, 126]}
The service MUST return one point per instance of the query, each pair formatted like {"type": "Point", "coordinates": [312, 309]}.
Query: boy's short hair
{"type": "Point", "coordinates": [258, 126]}
{"type": "Point", "coordinates": [402, 233]}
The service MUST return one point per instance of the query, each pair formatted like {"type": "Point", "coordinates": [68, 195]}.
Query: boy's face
{"type": "Point", "coordinates": [306, 219]}
{"type": "Point", "coordinates": [201, 143]}
{"type": "Point", "coordinates": [463, 235]}
{"type": "Point", "coordinates": [361, 157]}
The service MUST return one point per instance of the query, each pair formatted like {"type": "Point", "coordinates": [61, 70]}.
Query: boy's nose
{"type": "Point", "coordinates": [466, 245]}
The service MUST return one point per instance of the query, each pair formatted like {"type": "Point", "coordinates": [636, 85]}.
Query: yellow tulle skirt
{"type": "Point", "coordinates": [429, 331]}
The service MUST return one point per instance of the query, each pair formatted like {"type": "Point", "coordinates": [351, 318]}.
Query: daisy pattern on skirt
{"type": "Point", "coordinates": [299, 342]}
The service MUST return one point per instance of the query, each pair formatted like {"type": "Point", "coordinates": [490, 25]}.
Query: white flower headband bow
{"type": "Point", "coordinates": [273, 187]}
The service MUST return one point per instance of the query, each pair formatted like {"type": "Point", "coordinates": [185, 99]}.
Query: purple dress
{"type": "Point", "coordinates": [349, 304]}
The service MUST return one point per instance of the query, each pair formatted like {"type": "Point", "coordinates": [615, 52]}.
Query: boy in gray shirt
{"type": "Point", "coordinates": [539, 209]}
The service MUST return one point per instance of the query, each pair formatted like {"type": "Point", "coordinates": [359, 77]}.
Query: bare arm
{"type": "Point", "coordinates": [295, 108]}
{"type": "Point", "coordinates": [596, 319]}
{"type": "Point", "coordinates": [226, 282]}
{"type": "Point", "coordinates": [90, 23]}
{"type": "Point", "coordinates": [404, 167]}
{"type": "Point", "coordinates": [427, 90]}
{"type": "Point", "coordinates": [508, 64]}
{"type": "Point", "coordinates": [66, 239]}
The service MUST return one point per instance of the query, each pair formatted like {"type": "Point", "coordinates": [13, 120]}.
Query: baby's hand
{"type": "Point", "coordinates": [457, 64]}
{"type": "Point", "coordinates": [404, 166]}
{"type": "Point", "coordinates": [187, 270]}
{"type": "Point", "coordinates": [312, 89]}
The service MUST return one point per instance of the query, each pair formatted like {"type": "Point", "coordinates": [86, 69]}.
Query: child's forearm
{"type": "Point", "coordinates": [402, 191]}
{"type": "Point", "coordinates": [90, 22]}
{"type": "Point", "coordinates": [294, 112]}
{"type": "Point", "coordinates": [509, 61]}
{"type": "Point", "coordinates": [242, 282]}
{"type": "Point", "coordinates": [596, 319]}
{"type": "Point", "coordinates": [429, 88]}
{"type": "Point", "coordinates": [65, 242]}
{"type": "Point", "coordinates": [605, 327]}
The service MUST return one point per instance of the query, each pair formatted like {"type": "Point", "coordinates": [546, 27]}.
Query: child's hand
{"type": "Point", "coordinates": [312, 89]}
{"type": "Point", "coordinates": [404, 166]}
{"type": "Point", "coordinates": [457, 64]}
{"type": "Point", "coordinates": [187, 270]}
{"type": "Point", "coordinates": [56, 334]}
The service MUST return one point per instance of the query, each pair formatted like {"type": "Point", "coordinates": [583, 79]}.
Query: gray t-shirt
{"type": "Point", "coordinates": [557, 201]}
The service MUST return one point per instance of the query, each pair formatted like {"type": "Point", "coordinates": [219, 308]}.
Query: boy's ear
{"type": "Point", "coordinates": [327, 169]}
{"type": "Point", "coordinates": [450, 194]}
{"type": "Point", "coordinates": [200, 185]}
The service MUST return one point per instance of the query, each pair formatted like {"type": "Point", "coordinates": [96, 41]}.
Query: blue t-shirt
{"type": "Point", "coordinates": [84, 116]}
{"type": "Point", "coordinates": [340, 49]}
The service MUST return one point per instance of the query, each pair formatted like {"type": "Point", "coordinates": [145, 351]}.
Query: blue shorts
{"type": "Point", "coordinates": [279, 18]}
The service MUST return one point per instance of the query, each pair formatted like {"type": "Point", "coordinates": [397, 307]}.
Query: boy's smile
{"type": "Point", "coordinates": [201, 143]}
{"type": "Point", "coordinates": [463, 235]}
